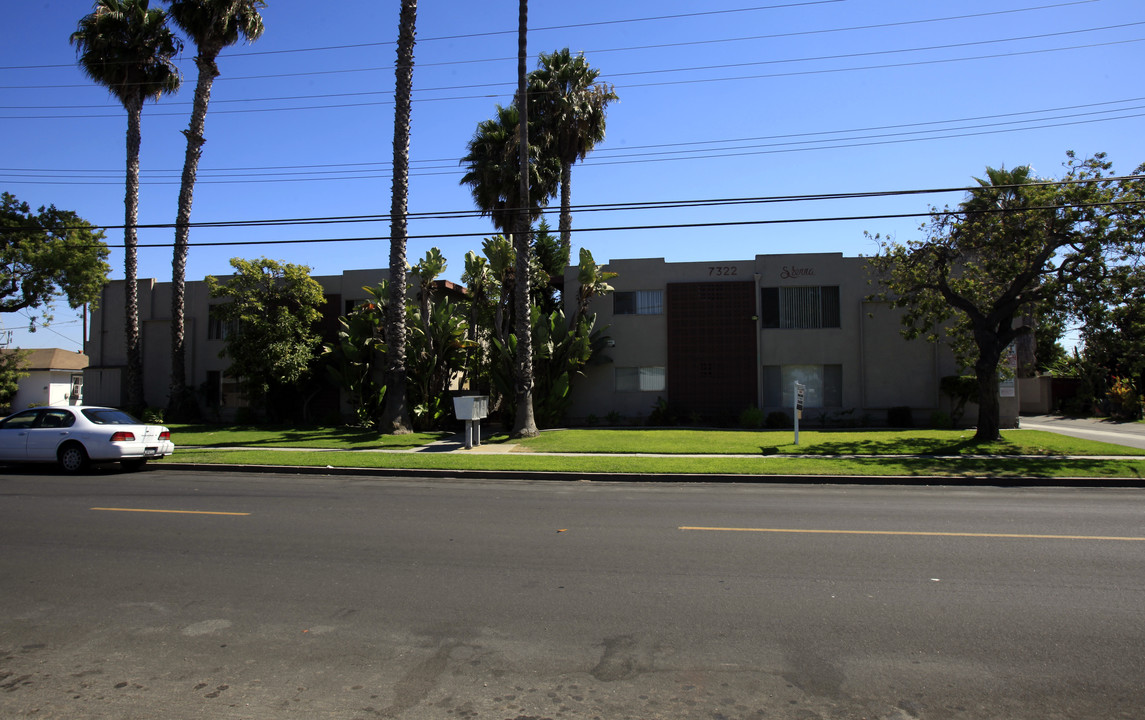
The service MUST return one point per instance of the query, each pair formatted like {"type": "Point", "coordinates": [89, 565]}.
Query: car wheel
{"type": "Point", "coordinates": [72, 458]}
{"type": "Point", "coordinates": [134, 465]}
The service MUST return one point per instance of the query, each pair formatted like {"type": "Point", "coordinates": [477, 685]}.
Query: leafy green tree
{"type": "Point", "coordinates": [45, 255]}
{"type": "Point", "coordinates": [1013, 247]}
{"type": "Point", "coordinates": [397, 417]}
{"type": "Point", "coordinates": [13, 368]}
{"type": "Point", "coordinates": [127, 47]}
{"type": "Point", "coordinates": [276, 308]}
{"type": "Point", "coordinates": [568, 106]}
{"type": "Point", "coordinates": [212, 25]}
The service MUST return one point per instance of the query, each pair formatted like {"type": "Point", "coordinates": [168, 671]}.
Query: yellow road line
{"type": "Point", "coordinates": [171, 512]}
{"type": "Point", "coordinates": [918, 533]}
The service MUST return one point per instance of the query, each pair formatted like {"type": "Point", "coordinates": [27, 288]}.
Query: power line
{"type": "Point", "coordinates": [623, 228]}
{"type": "Point", "coordinates": [877, 26]}
{"type": "Point", "coordinates": [371, 166]}
{"type": "Point", "coordinates": [603, 207]}
{"type": "Point", "coordinates": [664, 156]}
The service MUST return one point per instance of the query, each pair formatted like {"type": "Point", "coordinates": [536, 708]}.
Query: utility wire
{"type": "Point", "coordinates": [604, 150]}
{"type": "Point", "coordinates": [623, 228]}
{"type": "Point", "coordinates": [877, 26]}
{"type": "Point", "coordinates": [602, 207]}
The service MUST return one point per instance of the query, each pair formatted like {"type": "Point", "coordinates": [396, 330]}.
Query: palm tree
{"type": "Point", "coordinates": [569, 106]}
{"type": "Point", "coordinates": [524, 424]}
{"type": "Point", "coordinates": [396, 415]}
{"type": "Point", "coordinates": [212, 25]}
{"type": "Point", "coordinates": [127, 47]}
{"type": "Point", "coordinates": [493, 171]}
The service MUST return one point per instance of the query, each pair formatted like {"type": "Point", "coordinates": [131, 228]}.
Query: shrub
{"type": "Point", "coordinates": [900, 417]}
{"type": "Point", "coordinates": [152, 416]}
{"type": "Point", "coordinates": [613, 418]}
{"type": "Point", "coordinates": [1124, 401]}
{"type": "Point", "coordinates": [940, 420]}
{"type": "Point", "coordinates": [751, 418]}
{"type": "Point", "coordinates": [778, 420]}
{"type": "Point", "coordinates": [592, 420]}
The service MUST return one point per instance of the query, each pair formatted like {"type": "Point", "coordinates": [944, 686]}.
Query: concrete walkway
{"type": "Point", "coordinates": [1129, 434]}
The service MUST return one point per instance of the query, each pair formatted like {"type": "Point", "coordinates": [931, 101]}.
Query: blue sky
{"type": "Point", "coordinates": [724, 99]}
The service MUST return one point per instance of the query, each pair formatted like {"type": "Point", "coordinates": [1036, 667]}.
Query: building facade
{"type": "Point", "coordinates": [106, 345]}
{"type": "Point", "coordinates": [709, 340]}
{"type": "Point", "coordinates": [55, 377]}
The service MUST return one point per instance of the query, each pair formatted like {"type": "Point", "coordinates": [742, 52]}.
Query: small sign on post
{"type": "Point", "coordinates": [800, 390]}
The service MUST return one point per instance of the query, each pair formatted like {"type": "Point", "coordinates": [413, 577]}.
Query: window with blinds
{"type": "Point", "coordinates": [638, 302]}
{"type": "Point", "coordinates": [640, 379]}
{"type": "Point", "coordinates": [803, 307]}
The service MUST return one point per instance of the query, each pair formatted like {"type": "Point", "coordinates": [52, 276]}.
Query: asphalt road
{"type": "Point", "coordinates": [317, 597]}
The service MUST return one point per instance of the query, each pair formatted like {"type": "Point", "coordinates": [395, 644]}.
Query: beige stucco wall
{"type": "Point", "coordinates": [105, 380]}
{"type": "Point", "coordinates": [880, 368]}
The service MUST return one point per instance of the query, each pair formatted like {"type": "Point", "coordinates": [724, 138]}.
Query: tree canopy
{"type": "Point", "coordinates": [1016, 246]}
{"type": "Point", "coordinates": [275, 308]}
{"type": "Point", "coordinates": [46, 255]}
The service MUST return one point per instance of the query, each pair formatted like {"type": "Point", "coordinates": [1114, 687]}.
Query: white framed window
{"type": "Point", "coordinates": [638, 302]}
{"type": "Point", "coordinates": [640, 379]}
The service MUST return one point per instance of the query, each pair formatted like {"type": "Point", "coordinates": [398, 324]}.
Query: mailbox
{"type": "Point", "coordinates": [471, 407]}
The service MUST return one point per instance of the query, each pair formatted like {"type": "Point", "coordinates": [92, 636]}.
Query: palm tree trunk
{"type": "Point", "coordinates": [566, 212]}
{"type": "Point", "coordinates": [524, 425]}
{"type": "Point", "coordinates": [395, 415]}
{"type": "Point", "coordinates": [135, 400]}
{"type": "Point", "coordinates": [178, 406]}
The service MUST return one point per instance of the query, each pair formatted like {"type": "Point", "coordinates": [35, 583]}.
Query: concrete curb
{"type": "Point", "coordinates": [905, 480]}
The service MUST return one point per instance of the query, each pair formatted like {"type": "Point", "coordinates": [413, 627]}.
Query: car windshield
{"type": "Point", "coordinates": [109, 416]}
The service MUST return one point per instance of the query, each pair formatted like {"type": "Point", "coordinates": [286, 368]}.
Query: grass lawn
{"type": "Point", "coordinates": [846, 442]}
{"type": "Point", "coordinates": [774, 452]}
{"type": "Point", "coordinates": [952, 467]}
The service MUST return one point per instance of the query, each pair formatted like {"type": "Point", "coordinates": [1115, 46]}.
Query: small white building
{"type": "Point", "coordinates": [55, 377]}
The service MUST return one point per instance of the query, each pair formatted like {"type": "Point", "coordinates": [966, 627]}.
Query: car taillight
{"type": "Point", "coordinates": [165, 435]}
{"type": "Point", "coordinates": [123, 437]}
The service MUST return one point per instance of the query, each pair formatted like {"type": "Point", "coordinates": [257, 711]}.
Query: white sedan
{"type": "Point", "coordinates": [76, 435]}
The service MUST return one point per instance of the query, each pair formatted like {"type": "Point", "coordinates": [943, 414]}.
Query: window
{"type": "Point", "coordinates": [824, 385]}
{"type": "Point", "coordinates": [219, 329]}
{"type": "Point", "coordinates": [800, 307]}
{"type": "Point", "coordinates": [640, 379]}
{"type": "Point", "coordinates": [638, 302]}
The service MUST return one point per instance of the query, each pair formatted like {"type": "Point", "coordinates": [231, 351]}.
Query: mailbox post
{"type": "Point", "coordinates": [471, 408]}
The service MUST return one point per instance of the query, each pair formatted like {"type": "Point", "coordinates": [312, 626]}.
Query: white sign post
{"type": "Point", "coordinates": [799, 391]}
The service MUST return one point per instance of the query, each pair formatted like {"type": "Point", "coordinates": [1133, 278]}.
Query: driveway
{"type": "Point", "coordinates": [1128, 434]}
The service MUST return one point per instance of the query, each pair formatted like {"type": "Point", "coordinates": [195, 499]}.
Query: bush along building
{"type": "Point", "coordinates": [723, 343]}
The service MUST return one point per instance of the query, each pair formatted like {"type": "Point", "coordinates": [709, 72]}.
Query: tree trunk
{"type": "Point", "coordinates": [989, 407]}
{"type": "Point", "coordinates": [177, 401]}
{"type": "Point", "coordinates": [135, 400]}
{"type": "Point", "coordinates": [395, 413]}
{"type": "Point", "coordinates": [566, 212]}
{"type": "Point", "coordinates": [524, 425]}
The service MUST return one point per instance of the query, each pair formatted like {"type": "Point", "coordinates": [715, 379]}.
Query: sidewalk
{"type": "Point", "coordinates": [1130, 434]}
